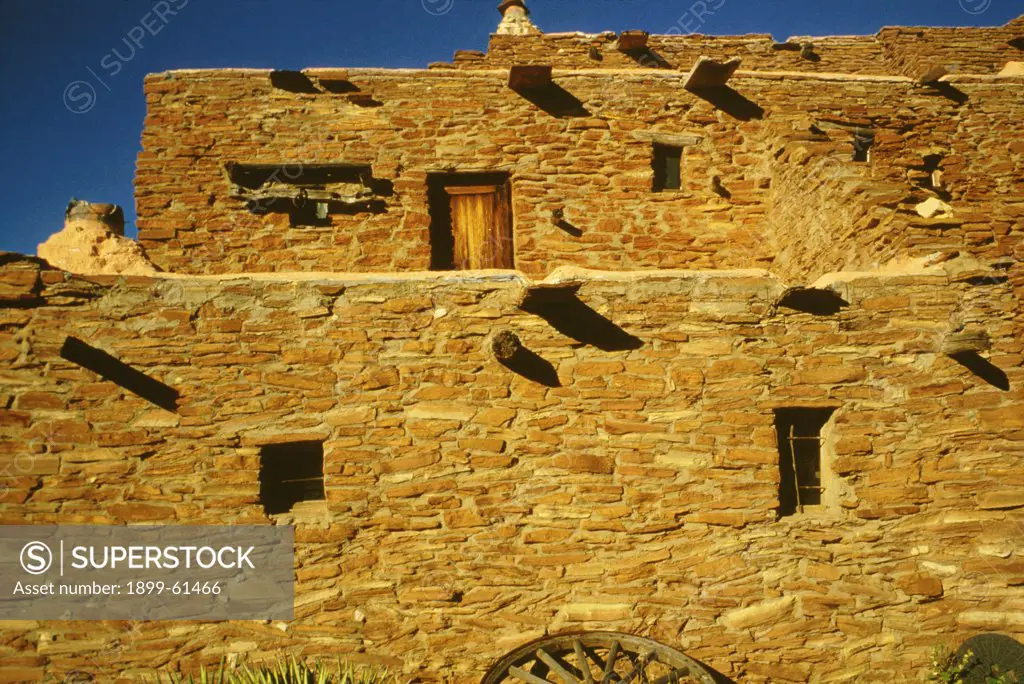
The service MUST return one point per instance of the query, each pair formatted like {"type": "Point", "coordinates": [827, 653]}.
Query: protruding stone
{"type": "Point", "coordinates": [966, 341]}
{"type": "Point", "coordinates": [1012, 69]}
{"type": "Point", "coordinates": [1000, 500]}
{"type": "Point", "coordinates": [932, 74]}
{"type": "Point", "coordinates": [759, 614]}
{"type": "Point", "coordinates": [707, 73]}
{"type": "Point", "coordinates": [932, 207]}
{"type": "Point", "coordinates": [515, 19]}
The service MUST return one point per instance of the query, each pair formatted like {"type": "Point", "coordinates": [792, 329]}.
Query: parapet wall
{"type": "Point", "coordinates": [894, 51]}
{"type": "Point", "coordinates": [470, 508]}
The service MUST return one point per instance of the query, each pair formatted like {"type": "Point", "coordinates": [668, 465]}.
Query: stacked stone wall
{"type": "Point", "coordinates": [469, 509]}
{"type": "Point", "coordinates": [747, 198]}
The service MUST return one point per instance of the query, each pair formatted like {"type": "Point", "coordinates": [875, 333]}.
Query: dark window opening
{"type": "Point", "coordinates": [470, 221]}
{"type": "Point", "coordinates": [290, 473]}
{"type": "Point", "coordinates": [306, 212]}
{"type": "Point", "coordinates": [799, 437]}
{"type": "Point", "coordinates": [667, 162]}
{"type": "Point", "coordinates": [309, 193]}
{"type": "Point", "coordinates": [862, 141]}
{"type": "Point", "coordinates": [255, 176]}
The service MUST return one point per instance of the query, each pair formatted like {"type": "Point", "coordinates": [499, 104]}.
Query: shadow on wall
{"type": "Point", "coordinates": [509, 351]}
{"type": "Point", "coordinates": [648, 58]}
{"type": "Point", "coordinates": [731, 102]}
{"type": "Point", "coordinates": [815, 301]}
{"type": "Point", "coordinates": [571, 317]}
{"type": "Point", "coordinates": [947, 90]}
{"type": "Point", "coordinates": [716, 675]}
{"type": "Point", "coordinates": [532, 367]}
{"type": "Point", "coordinates": [556, 101]}
{"type": "Point", "coordinates": [120, 373]}
{"type": "Point", "coordinates": [983, 368]}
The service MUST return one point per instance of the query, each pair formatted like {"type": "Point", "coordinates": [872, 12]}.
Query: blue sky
{"type": "Point", "coordinates": [71, 102]}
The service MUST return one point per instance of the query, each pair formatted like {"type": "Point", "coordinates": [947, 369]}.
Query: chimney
{"type": "Point", "coordinates": [515, 19]}
{"type": "Point", "coordinates": [107, 216]}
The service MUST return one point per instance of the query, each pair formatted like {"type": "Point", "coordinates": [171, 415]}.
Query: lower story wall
{"type": "Point", "coordinates": [628, 481]}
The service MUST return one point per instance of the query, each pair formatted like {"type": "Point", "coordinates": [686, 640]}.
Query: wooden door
{"type": "Point", "coordinates": [481, 226]}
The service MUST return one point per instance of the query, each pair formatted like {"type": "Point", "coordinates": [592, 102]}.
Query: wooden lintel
{"type": "Point", "coordinates": [707, 73]}
{"type": "Point", "coordinates": [632, 40]}
{"type": "Point", "coordinates": [529, 77]}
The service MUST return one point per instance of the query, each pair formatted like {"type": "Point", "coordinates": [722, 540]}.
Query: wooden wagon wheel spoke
{"type": "Point", "coordinates": [563, 674]}
{"type": "Point", "coordinates": [581, 659]}
{"type": "Point", "coordinates": [609, 665]}
{"type": "Point", "coordinates": [638, 668]}
{"type": "Point", "coordinates": [596, 658]}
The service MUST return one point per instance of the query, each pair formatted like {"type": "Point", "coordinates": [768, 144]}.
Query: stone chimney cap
{"type": "Point", "coordinates": [506, 4]}
{"type": "Point", "coordinates": [515, 19]}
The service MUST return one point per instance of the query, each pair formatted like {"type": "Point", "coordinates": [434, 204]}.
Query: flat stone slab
{"type": "Point", "coordinates": [707, 73]}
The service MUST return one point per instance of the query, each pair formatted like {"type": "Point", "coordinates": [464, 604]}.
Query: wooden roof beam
{"type": "Point", "coordinates": [630, 41]}
{"type": "Point", "coordinates": [529, 77]}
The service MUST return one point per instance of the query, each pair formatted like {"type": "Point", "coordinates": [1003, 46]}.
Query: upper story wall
{"type": "Point", "coordinates": [584, 148]}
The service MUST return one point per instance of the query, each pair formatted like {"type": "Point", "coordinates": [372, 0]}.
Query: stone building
{"type": "Point", "coordinates": [711, 340]}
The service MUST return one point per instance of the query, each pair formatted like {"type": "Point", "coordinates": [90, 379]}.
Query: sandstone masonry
{"type": "Point", "coordinates": [630, 479]}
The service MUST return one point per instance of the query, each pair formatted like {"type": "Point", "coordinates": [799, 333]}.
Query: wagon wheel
{"type": "Point", "coordinates": [993, 654]}
{"type": "Point", "coordinates": [596, 658]}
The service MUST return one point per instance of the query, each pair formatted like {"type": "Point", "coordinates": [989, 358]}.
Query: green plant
{"type": "Point", "coordinates": [947, 668]}
{"type": "Point", "coordinates": [288, 671]}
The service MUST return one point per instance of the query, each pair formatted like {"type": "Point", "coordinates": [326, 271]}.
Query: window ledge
{"type": "Point", "coordinates": [304, 513]}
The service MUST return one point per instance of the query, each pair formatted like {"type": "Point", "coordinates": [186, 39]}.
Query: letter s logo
{"type": "Point", "coordinates": [36, 558]}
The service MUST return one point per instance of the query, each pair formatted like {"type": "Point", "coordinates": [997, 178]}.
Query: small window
{"type": "Point", "coordinates": [309, 193]}
{"type": "Point", "coordinates": [667, 160]}
{"type": "Point", "coordinates": [290, 473]}
{"type": "Point", "coordinates": [799, 432]}
{"type": "Point", "coordinates": [862, 141]}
